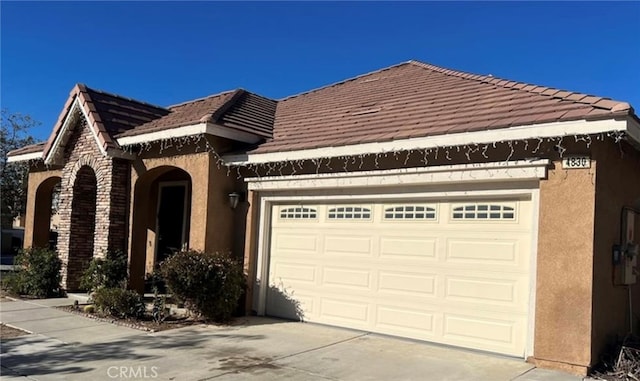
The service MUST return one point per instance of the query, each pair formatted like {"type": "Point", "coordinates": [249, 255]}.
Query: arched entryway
{"type": "Point", "coordinates": [82, 225]}
{"type": "Point", "coordinates": [161, 216]}
{"type": "Point", "coordinates": [43, 234]}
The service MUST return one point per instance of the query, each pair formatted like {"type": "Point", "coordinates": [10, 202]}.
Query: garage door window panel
{"type": "Point", "coordinates": [298, 213]}
{"type": "Point", "coordinates": [484, 212]}
{"type": "Point", "coordinates": [410, 212]}
{"type": "Point", "coordinates": [351, 213]}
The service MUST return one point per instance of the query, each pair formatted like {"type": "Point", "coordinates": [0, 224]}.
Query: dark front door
{"type": "Point", "coordinates": [171, 220]}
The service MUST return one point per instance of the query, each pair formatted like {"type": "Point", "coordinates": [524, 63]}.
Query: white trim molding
{"type": "Point", "coordinates": [190, 130]}
{"type": "Point", "coordinates": [520, 170]}
{"type": "Point", "coordinates": [25, 157]}
{"type": "Point", "coordinates": [50, 158]}
{"type": "Point", "coordinates": [63, 135]}
{"type": "Point", "coordinates": [545, 130]}
{"type": "Point", "coordinates": [633, 131]}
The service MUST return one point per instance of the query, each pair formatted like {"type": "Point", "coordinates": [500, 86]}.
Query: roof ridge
{"type": "Point", "coordinates": [231, 100]}
{"type": "Point", "coordinates": [343, 81]}
{"type": "Point", "coordinates": [202, 98]}
{"type": "Point", "coordinates": [119, 96]}
{"type": "Point", "coordinates": [524, 86]}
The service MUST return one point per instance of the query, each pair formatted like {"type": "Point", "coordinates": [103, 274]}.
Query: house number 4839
{"type": "Point", "coordinates": [569, 162]}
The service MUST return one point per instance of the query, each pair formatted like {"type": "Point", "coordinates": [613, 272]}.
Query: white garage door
{"type": "Point", "coordinates": [454, 272]}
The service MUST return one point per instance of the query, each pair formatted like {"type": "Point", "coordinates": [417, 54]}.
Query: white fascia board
{"type": "Point", "coordinates": [190, 130]}
{"type": "Point", "coordinates": [65, 126]}
{"type": "Point", "coordinates": [546, 130]}
{"type": "Point", "coordinates": [25, 157]}
{"type": "Point", "coordinates": [179, 132]}
{"type": "Point", "coordinates": [633, 131]}
{"type": "Point", "coordinates": [230, 133]}
{"type": "Point", "coordinates": [520, 170]}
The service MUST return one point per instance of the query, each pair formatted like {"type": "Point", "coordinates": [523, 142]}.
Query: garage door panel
{"type": "Point", "coordinates": [449, 281]}
{"type": "Point", "coordinates": [407, 321]}
{"type": "Point", "coordinates": [481, 290]}
{"type": "Point", "coordinates": [414, 247]}
{"type": "Point", "coordinates": [358, 245]}
{"type": "Point", "coordinates": [494, 251]}
{"type": "Point", "coordinates": [351, 311]}
{"type": "Point", "coordinates": [300, 243]}
{"type": "Point", "coordinates": [476, 331]}
{"type": "Point", "coordinates": [409, 284]}
{"type": "Point", "coordinates": [346, 277]}
{"type": "Point", "coordinates": [289, 304]}
{"type": "Point", "coordinates": [292, 272]}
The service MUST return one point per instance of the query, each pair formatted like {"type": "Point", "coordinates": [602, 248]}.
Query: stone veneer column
{"type": "Point", "coordinates": [111, 198]}
{"type": "Point", "coordinates": [119, 205]}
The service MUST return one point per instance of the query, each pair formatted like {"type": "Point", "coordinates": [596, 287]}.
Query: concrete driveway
{"type": "Point", "coordinates": [70, 347]}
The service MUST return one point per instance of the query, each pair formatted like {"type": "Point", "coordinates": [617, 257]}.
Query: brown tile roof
{"type": "Point", "coordinates": [120, 114]}
{"type": "Point", "coordinates": [415, 99]}
{"type": "Point", "coordinates": [32, 148]}
{"type": "Point", "coordinates": [251, 113]}
{"type": "Point", "coordinates": [238, 109]}
{"type": "Point", "coordinates": [408, 100]}
{"type": "Point", "coordinates": [108, 114]}
{"type": "Point", "coordinates": [183, 114]}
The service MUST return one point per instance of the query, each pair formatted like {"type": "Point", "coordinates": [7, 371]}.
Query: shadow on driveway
{"type": "Point", "coordinates": [35, 355]}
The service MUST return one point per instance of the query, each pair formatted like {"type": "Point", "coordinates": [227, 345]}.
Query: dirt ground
{"type": "Point", "coordinates": [3, 298]}
{"type": "Point", "coordinates": [145, 323]}
{"type": "Point", "coordinates": [7, 332]}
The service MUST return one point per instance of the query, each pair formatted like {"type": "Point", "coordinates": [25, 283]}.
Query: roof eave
{"type": "Point", "coordinates": [633, 131]}
{"type": "Point", "coordinates": [30, 156]}
{"type": "Point", "coordinates": [208, 128]}
{"type": "Point", "coordinates": [61, 132]}
{"type": "Point", "coordinates": [626, 124]}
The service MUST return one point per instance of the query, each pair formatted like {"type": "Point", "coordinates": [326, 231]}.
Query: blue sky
{"type": "Point", "coordinates": [166, 53]}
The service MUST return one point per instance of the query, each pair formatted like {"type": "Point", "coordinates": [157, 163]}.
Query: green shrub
{"type": "Point", "coordinates": [153, 282]}
{"type": "Point", "coordinates": [210, 284]}
{"type": "Point", "coordinates": [89, 309]}
{"type": "Point", "coordinates": [108, 272]}
{"type": "Point", "coordinates": [118, 302]}
{"type": "Point", "coordinates": [37, 274]}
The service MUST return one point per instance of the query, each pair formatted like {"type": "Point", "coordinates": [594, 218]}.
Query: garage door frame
{"type": "Point", "coordinates": [478, 181]}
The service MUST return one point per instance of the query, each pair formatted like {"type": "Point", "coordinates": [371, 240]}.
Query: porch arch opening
{"type": "Point", "coordinates": [46, 202]}
{"type": "Point", "coordinates": [161, 221]}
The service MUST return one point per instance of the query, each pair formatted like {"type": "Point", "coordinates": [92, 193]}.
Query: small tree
{"type": "Point", "coordinates": [14, 134]}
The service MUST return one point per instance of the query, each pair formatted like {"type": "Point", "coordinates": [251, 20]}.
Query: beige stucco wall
{"type": "Point", "coordinates": [251, 246]}
{"type": "Point", "coordinates": [564, 268]}
{"type": "Point", "coordinates": [38, 211]}
{"type": "Point", "coordinates": [211, 220]}
{"type": "Point", "coordinates": [617, 185]}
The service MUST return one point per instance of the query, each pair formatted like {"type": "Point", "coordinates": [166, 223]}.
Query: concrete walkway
{"type": "Point", "coordinates": [69, 347]}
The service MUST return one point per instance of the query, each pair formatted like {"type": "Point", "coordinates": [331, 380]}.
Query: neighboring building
{"type": "Point", "coordinates": [413, 201]}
